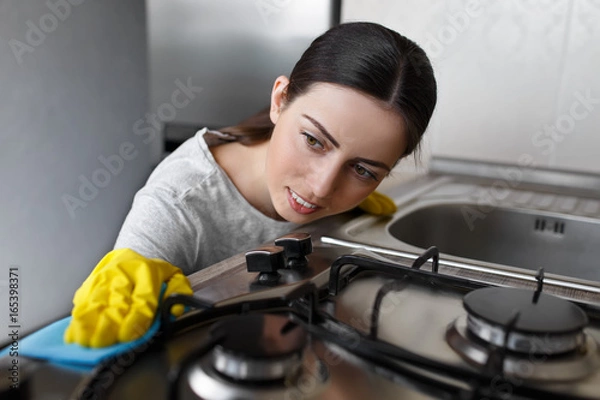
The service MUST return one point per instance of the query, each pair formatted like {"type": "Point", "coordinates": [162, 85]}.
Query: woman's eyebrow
{"type": "Point", "coordinates": [335, 143]}
{"type": "Point", "coordinates": [323, 130]}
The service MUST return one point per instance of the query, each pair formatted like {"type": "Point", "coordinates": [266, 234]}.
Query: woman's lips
{"type": "Point", "coordinates": [299, 204]}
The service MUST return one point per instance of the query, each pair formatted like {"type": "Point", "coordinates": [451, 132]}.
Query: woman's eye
{"type": "Point", "coordinates": [312, 141]}
{"type": "Point", "coordinates": [363, 172]}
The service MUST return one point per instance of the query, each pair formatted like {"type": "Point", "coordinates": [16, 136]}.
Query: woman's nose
{"type": "Point", "coordinates": [324, 181]}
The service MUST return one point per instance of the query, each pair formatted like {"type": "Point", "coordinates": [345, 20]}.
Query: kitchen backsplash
{"type": "Point", "coordinates": [517, 79]}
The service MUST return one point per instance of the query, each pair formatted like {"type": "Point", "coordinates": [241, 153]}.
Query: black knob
{"type": "Point", "coordinates": [296, 247]}
{"type": "Point", "coordinates": [265, 259]}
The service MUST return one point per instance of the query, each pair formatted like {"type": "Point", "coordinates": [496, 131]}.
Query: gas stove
{"type": "Point", "coordinates": [297, 323]}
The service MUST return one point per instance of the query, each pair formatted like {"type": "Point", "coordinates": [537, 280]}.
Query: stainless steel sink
{"type": "Point", "coordinates": [514, 234]}
{"type": "Point", "coordinates": [529, 239]}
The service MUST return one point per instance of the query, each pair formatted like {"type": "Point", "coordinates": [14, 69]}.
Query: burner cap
{"type": "Point", "coordinates": [550, 315]}
{"type": "Point", "coordinates": [551, 325]}
{"type": "Point", "coordinates": [258, 347]}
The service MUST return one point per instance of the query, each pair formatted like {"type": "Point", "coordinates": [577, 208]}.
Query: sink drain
{"type": "Point", "coordinates": [544, 225]}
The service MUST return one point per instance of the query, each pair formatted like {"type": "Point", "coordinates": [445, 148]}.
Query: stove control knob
{"type": "Point", "coordinates": [296, 247]}
{"type": "Point", "coordinates": [267, 259]}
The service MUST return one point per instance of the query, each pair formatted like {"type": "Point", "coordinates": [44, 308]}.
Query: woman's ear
{"type": "Point", "coordinates": [278, 97]}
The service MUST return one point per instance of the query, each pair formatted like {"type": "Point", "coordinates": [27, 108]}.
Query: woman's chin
{"type": "Point", "coordinates": [299, 218]}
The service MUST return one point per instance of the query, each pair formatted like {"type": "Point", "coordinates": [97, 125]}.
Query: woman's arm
{"type": "Point", "coordinates": [160, 225]}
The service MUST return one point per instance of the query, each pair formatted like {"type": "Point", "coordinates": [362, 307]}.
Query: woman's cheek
{"type": "Point", "coordinates": [291, 156]}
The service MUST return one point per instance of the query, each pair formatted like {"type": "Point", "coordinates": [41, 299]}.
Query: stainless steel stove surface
{"type": "Point", "coordinates": [327, 324]}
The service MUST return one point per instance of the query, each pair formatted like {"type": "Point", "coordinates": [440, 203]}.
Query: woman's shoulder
{"type": "Point", "coordinates": [189, 165]}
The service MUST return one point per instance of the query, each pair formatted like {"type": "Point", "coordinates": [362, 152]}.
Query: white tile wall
{"type": "Point", "coordinates": [516, 77]}
{"type": "Point", "coordinates": [580, 145]}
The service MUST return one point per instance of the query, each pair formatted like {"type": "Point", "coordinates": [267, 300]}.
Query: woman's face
{"type": "Point", "coordinates": [330, 148]}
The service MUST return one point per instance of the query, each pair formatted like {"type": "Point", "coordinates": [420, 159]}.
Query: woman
{"type": "Point", "coordinates": [358, 100]}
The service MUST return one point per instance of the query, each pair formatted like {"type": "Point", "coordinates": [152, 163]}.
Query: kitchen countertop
{"type": "Point", "coordinates": [394, 186]}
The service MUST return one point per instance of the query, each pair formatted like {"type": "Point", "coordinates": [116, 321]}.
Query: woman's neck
{"type": "Point", "coordinates": [245, 167]}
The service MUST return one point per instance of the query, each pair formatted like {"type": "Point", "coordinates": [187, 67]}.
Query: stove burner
{"type": "Point", "coordinates": [261, 356]}
{"type": "Point", "coordinates": [569, 367]}
{"type": "Point", "coordinates": [535, 336]}
{"type": "Point", "coordinates": [536, 323]}
{"type": "Point", "coordinates": [258, 347]}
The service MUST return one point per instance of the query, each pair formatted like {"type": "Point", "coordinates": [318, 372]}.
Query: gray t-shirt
{"type": "Point", "coordinates": [190, 214]}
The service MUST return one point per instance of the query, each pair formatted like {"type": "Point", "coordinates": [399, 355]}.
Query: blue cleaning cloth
{"type": "Point", "coordinates": [48, 344]}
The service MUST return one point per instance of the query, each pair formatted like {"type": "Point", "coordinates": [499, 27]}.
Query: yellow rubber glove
{"type": "Point", "coordinates": [378, 204]}
{"type": "Point", "coordinates": [118, 301]}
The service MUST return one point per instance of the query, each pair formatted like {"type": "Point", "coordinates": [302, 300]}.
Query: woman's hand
{"type": "Point", "coordinates": [118, 301]}
{"type": "Point", "coordinates": [378, 204]}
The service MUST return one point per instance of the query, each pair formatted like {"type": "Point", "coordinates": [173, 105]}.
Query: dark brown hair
{"type": "Point", "coordinates": [367, 57]}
